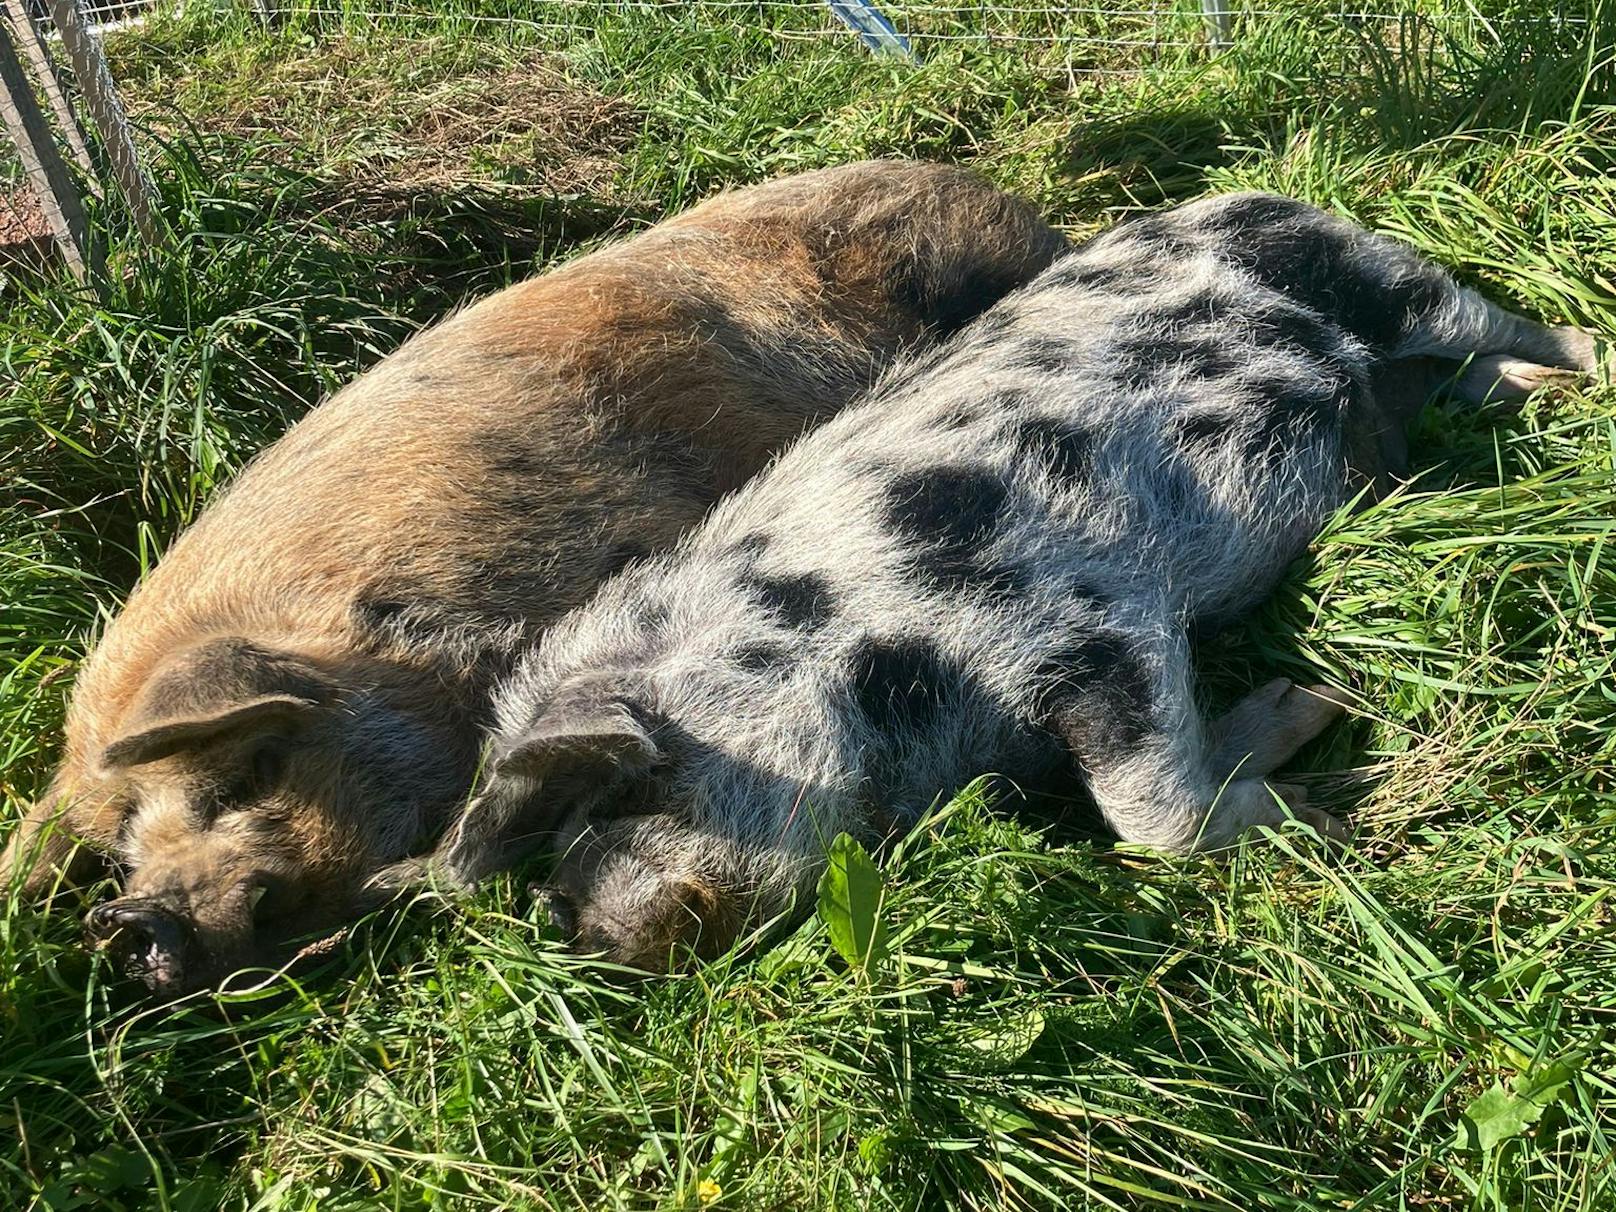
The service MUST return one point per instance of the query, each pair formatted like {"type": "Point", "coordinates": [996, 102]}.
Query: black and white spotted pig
{"type": "Point", "coordinates": [991, 565]}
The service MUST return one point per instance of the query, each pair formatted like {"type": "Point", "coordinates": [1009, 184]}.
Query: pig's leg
{"type": "Point", "coordinates": [1500, 378]}
{"type": "Point", "coordinates": [1125, 706]}
{"type": "Point", "coordinates": [1263, 731]}
{"type": "Point", "coordinates": [1513, 356]}
{"type": "Point", "coordinates": [62, 839]}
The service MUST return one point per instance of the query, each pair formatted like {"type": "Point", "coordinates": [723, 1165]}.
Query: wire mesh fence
{"type": "Point", "coordinates": [1064, 42]}
{"type": "Point", "coordinates": [1089, 35]}
{"type": "Point", "coordinates": [100, 13]}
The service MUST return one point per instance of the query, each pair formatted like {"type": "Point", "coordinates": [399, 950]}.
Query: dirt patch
{"type": "Point", "coordinates": [24, 233]}
{"type": "Point", "coordinates": [407, 120]}
{"type": "Point", "coordinates": [527, 125]}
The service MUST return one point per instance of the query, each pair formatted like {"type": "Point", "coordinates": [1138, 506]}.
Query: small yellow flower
{"type": "Point", "coordinates": [708, 1191]}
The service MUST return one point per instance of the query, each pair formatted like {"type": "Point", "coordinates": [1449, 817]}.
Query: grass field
{"type": "Point", "coordinates": [1423, 1022]}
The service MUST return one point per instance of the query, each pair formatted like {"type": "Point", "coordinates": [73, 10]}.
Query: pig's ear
{"type": "Point", "coordinates": [597, 756]}
{"type": "Point", "coordinates": [275, 714]}
{"type": "Point", "coordinates": [226, 689]}
{"type": "Point", "coordinates": [599, 738]}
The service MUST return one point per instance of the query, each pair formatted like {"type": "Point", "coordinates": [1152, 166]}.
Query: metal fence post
{"type": "Point", "coordinates": [52, 182]}
{"type": "Point", "coordinates": [101, 97]}
{"type": "Point", "coordinates": [1219, 22]}
{"type": "Point", "coordinates": [27, 38]}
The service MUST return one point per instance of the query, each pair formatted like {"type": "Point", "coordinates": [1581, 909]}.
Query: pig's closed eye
{"type": "Point", "coordinates": [268, 765]}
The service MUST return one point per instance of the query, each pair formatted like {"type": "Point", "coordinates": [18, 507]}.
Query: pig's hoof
{"type": "Point", "coordinates": [1296, 801]}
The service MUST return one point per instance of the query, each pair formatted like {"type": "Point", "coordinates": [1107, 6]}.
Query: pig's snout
{"type": "Point", "coordinates": [146, 940]}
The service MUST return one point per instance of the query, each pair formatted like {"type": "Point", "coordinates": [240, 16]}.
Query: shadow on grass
{"type": "Point", "coordinates": [445, 245]}
{"type": "Point", "coordinates": [1400, 85]}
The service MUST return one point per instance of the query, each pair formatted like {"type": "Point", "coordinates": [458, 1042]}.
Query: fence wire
{"type": "Point", "coordinates": [1091, 37]}
{"type": "Point", "coordinates": [1331, 39]}
{"type": "Point", "coordinates": [100, 13]}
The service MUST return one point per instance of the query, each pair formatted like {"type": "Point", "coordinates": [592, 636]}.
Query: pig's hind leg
{"type": "Point", "coordinates": [1401, 305]}
{"type": "Point", "coordinates": [1509, 356]}
{"type": "Point", "coordinates": [1124, 704]}
{"type": "Point", "coordinates": [1263, 731]}
{"type": "Point", "coordinates": [1500, 378]}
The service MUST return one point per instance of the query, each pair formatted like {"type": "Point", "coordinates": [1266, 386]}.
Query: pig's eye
{"type": "Point", "coordinates": [265, 767]}
{"type": "Point", "coordinates": [268, 765]}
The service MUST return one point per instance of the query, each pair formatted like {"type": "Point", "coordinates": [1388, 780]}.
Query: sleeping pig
{"type": "Point", "coordinates": [293, 698]}
{"type": "Point", "coordinates": [992, 564]}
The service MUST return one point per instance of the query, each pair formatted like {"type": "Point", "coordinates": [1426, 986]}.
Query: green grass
{"type": "Point", "coordinates": [1420, 1023]}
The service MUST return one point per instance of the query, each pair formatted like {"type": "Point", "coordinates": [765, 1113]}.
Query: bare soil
{"type": "Point", "coordinates": [22, 223]}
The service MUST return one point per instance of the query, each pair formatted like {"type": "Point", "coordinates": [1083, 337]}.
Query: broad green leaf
{"type": "Point", "coordinates": [1548, 1084]}
{"type": "Point", "coordinates": [850, 897]}
{"type": "Point", "coordinates": [875, 1150]}
{"type": "Point", "coordinates": [114, 1168]}
{"type": "Point", "coordinates": [1007, 1039]}
{"type": "Point", "coordinates": [998, 1116]}
{"type": "Point", "coordinates": [198, 1193]}
{"type": "Point", "coordinates": [737, 1122]}
{"type": "Point", "coordinates": [1497, 1114]}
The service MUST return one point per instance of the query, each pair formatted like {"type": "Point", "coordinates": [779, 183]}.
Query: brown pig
{"type": "Point", "coordinates": [293, 699]}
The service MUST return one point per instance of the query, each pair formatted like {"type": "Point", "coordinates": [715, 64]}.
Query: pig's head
{"type": "Point", "coordinates": [649, 892]}
{"type": "Point", "coordinates": [245, 796]}
{"type": "Point", "coordinates": [683, 812]}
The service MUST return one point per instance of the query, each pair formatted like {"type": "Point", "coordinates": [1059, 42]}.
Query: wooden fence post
{"type": "Point", "coordinates": [101, 97]}
{"type": "Point", "coordinates": [25, 34]}
{"type": "Point", "coordinates": [53, 183]}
